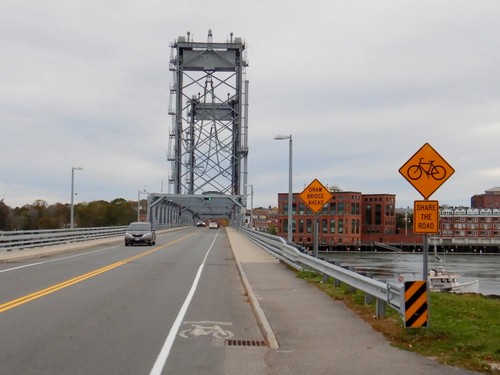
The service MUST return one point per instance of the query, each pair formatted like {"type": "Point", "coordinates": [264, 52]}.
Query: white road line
{"type": "Point", "coordinates": [165, 350]}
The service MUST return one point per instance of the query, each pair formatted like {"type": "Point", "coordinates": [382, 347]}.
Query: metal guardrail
{"type": "Point", "coordinates": [385, 293]}
{"type": "Point", "coordinates": [24, 239]}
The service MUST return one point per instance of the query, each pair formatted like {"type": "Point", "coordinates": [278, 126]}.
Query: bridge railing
{"type": "Point", "coordinates": [24, 239]}
{"type": "Point", "coordinates": [386, 294]}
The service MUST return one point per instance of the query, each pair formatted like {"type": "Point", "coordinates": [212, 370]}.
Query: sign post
{"type": "Point", "coordinates": [426, 171]}
{"type": "Point", "coordinates": [315, 196]}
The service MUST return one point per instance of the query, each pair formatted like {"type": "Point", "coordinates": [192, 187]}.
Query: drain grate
{"type": "Point", "coordinates": [236, 342]}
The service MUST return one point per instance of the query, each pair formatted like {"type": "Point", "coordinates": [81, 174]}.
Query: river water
{"type": "Point", "coordinates": [390, 266]}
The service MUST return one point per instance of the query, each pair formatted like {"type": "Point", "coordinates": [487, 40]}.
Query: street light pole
{"type": "Point", "coordinates": [251, 206]}
{"type": "Point", "coordinates": [72, 213]}
{"type": "Point", "coordinates": [139, 203]}
{"type": "Point", "coordinates": [290, 192]}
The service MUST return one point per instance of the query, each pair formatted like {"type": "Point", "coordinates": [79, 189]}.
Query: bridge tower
{"type": "Point", "coordinates": [208, 139]}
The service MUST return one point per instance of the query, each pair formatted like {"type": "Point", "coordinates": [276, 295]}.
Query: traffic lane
{"type": "Point", "coordinates": [26, 277]}
{"type": "Point", "coordinates": [112, 323]}
{"type": "Point", "coordinates": [218, 312]}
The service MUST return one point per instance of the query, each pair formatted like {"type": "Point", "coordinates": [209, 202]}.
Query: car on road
{"type": "Point", "coordinates": [140, 232]}
{"type": "Point", "coordinates": [213, 225]}
{"type": "Point", "coordinates": [201, 224]}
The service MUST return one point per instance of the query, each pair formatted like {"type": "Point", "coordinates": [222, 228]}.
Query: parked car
{"type": "Point", "coordinates": [213, 225]}
{"type": "Point", "coordinates": [140, 232]}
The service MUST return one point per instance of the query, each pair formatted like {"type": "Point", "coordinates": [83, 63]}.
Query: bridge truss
{"type": "Point", "coordinates": [208, 143]}
{"type": "Point", "coordinates": [208, 138]}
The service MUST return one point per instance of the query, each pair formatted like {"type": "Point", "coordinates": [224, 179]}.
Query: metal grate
{"type": "Point", "coordinates": [236, 342]}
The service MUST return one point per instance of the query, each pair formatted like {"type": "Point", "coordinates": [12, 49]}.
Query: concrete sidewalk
{"type": "Point", "coordinates": [312, 333]}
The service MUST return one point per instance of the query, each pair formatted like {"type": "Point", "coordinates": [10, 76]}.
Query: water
{"type": "Point", "coordinates": [389, 266]}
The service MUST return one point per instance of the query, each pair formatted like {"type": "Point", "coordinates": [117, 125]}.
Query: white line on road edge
{"type": "Point", "coordinates": [57, 259]}
{"type": "Point", "coordinates": [165, 351]}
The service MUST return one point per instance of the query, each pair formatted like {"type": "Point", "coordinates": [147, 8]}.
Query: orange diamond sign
{"type": "Point", "coordinates": [426, 170]}
{"type": "Point", "coordinates": [315, 196]}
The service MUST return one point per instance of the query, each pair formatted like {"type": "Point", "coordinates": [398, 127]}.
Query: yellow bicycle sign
{"type": "Point", "coordinates": [437, 172]}
{"type": "Point", "coordinates": [426, 170]}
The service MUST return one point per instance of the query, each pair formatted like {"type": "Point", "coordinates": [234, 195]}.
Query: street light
{"type": "Point", "coordinates": [279, 138]}
{"type": "Point", "coordinates": [72, 214]}
{"type": "Point", "coordinates": [251, 206]}
{"type": "Point", "coordinates": [143, 191]}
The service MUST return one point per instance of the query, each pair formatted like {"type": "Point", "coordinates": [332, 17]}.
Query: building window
{"type": "Point", "coordinates": [378, 214]}
{"type": "Point", "coordinates": [301, 208]}
{"type": "Point", "coordinates": [332, 225]}
{"type": "Point", "coordinates": [301, 225]}
{"type": "Point", "coordinates": [324, 226]}
{"type": "Point", "coordinates": [309, 226]}
{"type": "Point", "coordinates": [341, 226]}
{"type": "Point", "coordinates": [368, 214]}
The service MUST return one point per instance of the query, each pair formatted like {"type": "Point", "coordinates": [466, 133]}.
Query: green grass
{"type": "Point", "coordinates": [463, 331]}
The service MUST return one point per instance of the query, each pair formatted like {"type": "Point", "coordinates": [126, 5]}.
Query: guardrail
{"type": "Point", "coordinates": [385, 293]}
{"type": "Point", "coordinates": [24, 239]}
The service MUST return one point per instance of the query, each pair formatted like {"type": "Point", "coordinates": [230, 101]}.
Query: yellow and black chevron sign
{"type": "Point", "coordinates": [416, 309]}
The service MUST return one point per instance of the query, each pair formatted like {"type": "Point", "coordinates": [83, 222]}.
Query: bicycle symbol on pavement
{"type": "Point", "coordinates": [207, 328]}
{"type": "Point", "coordinates": [437, 172]}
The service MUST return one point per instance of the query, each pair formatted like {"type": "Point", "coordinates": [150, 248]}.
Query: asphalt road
{"type": "Point", "coordinates": [111, 309]}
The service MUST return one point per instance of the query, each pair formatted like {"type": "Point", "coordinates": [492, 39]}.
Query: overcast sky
{"type": "Point", "coordinates": [361, 86]}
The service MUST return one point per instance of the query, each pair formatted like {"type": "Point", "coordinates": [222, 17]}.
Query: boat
{"type": "Point", "coordinates": [440, 281]}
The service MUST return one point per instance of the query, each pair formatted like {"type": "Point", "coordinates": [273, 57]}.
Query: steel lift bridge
{"type": "Point", "coordinates": [208, 140]}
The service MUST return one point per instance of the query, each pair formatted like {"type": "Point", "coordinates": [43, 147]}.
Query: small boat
{"type": "Point", "coordinates": [441, 281]}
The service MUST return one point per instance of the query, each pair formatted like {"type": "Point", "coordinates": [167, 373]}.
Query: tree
{"type": "Point", "coordinates": [121, 212]}
{"type": "Point", "coordinates": [5, 216]}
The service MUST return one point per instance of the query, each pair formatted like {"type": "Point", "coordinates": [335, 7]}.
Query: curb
{"type": "Point", "coordinates": [264, 325]}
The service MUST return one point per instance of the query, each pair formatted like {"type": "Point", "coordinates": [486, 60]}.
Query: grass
{"type": "Point", "coordinates": [464, 329]}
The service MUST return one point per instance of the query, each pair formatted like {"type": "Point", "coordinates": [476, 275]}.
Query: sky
{"type": "Point", "coordinates": [360, 86]}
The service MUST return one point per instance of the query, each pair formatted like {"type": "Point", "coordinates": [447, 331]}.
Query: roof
{"type": "Point", "coordinates": [493, 190]}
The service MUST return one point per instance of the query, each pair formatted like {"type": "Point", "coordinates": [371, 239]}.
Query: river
{"type": "Point", "coordinates": [390, 266]}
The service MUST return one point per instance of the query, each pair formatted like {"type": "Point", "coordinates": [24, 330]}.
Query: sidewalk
{"type": "Point", "coordinates": [310, 333]}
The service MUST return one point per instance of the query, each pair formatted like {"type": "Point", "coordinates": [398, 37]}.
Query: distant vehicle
{"type": "Point", "coordinates": [213, 225]}
{"type": "Point", "coordinates": [140, 232]}
{"type": "Point", "coordinates": [201, 224]}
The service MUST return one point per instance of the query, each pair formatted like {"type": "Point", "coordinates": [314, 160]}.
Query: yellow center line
{"type": "Point", "coordinates": [54, 288]}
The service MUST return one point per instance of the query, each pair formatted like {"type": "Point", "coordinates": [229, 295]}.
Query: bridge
{"type": "Point", "coordinates": [208, 137]}
{"type": "Point", "coordinates": [199, 302]}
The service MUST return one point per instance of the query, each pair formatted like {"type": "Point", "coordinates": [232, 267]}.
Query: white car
{"type": "Point", "coordinates": [213, 225]}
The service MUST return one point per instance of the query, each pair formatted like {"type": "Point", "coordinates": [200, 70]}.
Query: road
{"type": "Point", "coordinates": [111, 309]}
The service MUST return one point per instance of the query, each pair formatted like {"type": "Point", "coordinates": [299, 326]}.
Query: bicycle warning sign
{"type": "Point", "coordinates": [426, 170]}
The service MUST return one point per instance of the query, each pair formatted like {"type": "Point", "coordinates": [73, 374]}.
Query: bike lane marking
{"type": "Point", "coordinates": [206, 328]}
{"type": "Point", "coordinates": [161, 360]}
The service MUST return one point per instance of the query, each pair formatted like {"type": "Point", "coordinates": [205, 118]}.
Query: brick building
{"type": "Point", "coordinates": [263, 218]}
{"type": "Point", "coordinates": [348, 219]}
{"type": "Point", "coordinates": [379, 217]}
{"type": "Point", "coordinates": [469, 227]}
{"type": "Point", "coordinates": [490, 199]}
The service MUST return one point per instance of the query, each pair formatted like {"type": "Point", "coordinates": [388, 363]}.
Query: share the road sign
{"type": "Point", "coordinates": [426, 217]}
{"type": "Point", "coordinates": [315, 196]}
{"type": "Point", "coordinates": [426, 170]}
